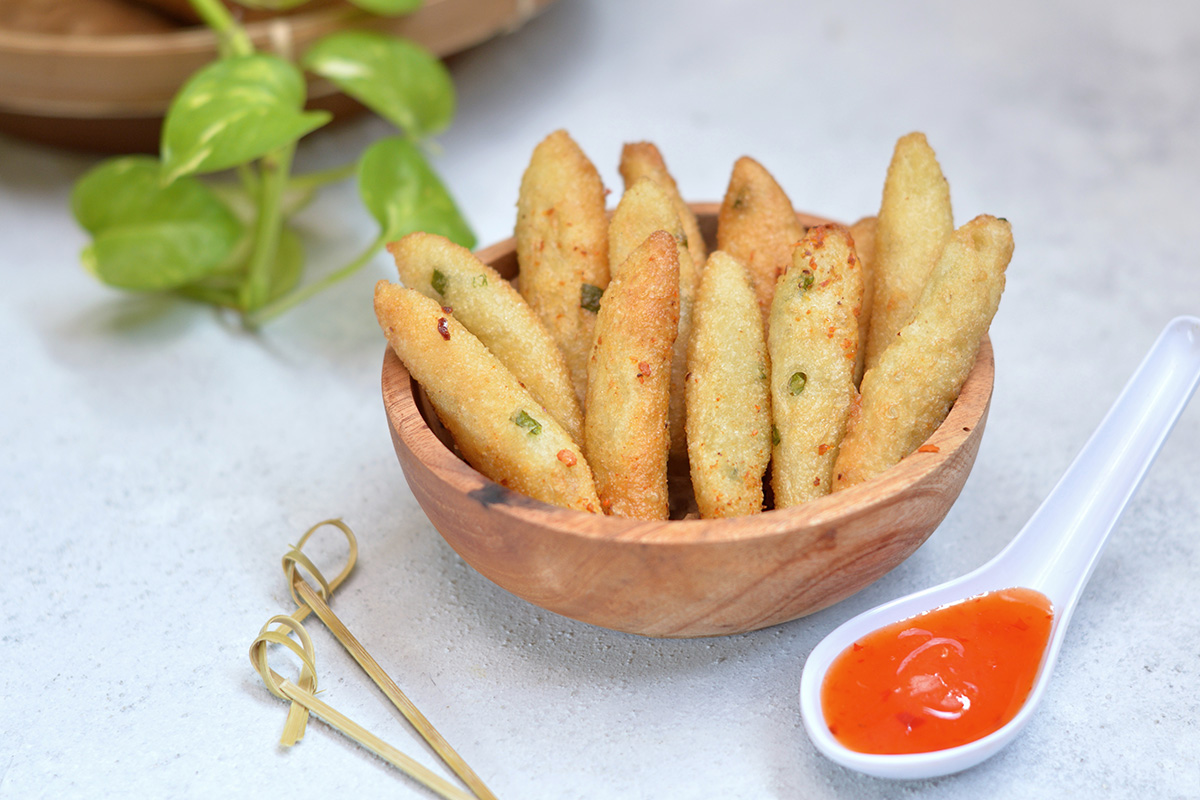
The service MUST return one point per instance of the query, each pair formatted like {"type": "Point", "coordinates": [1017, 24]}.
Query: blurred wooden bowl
{"type": "Point", "coordinates": [689, 577]}
{"type": "Point", "coordinates": [109, 92]}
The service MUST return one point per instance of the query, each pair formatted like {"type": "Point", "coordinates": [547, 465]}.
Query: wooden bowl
{"type": "Point", "coordinates": [690, 577]}
{"type": "Point", "coordinates": [109, 93]}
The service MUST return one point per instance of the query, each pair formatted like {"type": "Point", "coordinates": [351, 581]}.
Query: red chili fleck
{"type": "Point", "coordinates": [816, 481]}
{"type": "Point", "coordinates": [643, 369]}
{"type": "Point", "coordinates": [443, 328]}
{"type": "Point", "coordinates": [929, 448]}
{"type": "Point", "coordinates": [822, 449]}
{"type": "Point", "coordinates": [566, 457]}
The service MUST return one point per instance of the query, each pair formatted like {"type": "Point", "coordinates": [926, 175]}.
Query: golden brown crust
{"type": "Point", "coordinates": [915, 219]}
{"type": "Point", "coordinates": [643, 160]}
{"type": "Point", "coordinates": [562, 244]}
{"type": "Point", "coordinates": [489, 307]}
{"type": "Point", "coordinates": [909, 391]}
{"type": "Point", "coordinates": [757, 225]}
{"type": "Point", "coordinates": [864, 232]}
{"type": "Point", "coordinates": [813, 340]}
{"type": "Point", "coordinates": [625, 428]}
{"type": "Point", "coordinates": [498, 426]}
{"type": "Point", "coordinates": [728, 393]}
{"type": "Point", "coordinates": [644, 208]}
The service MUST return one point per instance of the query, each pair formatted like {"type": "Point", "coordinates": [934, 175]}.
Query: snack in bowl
{"type": "Point", "coordinates": [683, 576]}
{"type": "Point", "coordinates": [646, 207]}
{"type": "Point", "coordinates": [562, 238]}
{"type": "Point", "coordinates": [491, 308]}
{"type": "Point", "coordinates": [812, 341]}
{"type": "Point", "coordinates": [626, 430]}
{"type": "Point", "coordinates": [495, 421]}
{"type": "Point", "coordinates": [728, 397]}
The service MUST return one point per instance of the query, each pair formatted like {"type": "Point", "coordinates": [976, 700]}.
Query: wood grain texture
{"type": "Point", "coordinates": [684, 578]}
{"type": "Point", "coordinates": [109, 92]}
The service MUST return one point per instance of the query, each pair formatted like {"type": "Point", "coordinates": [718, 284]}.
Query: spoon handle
{"type": "Point", "coordinates": [1062, 541]}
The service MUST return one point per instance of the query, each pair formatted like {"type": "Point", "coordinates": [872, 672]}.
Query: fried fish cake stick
{"type": "Point", "coordinates": [562, 246]}
{"type": "Point", "coordinates": [489, 307]}
{"type": "Point", "coordinates": [498, 426]}
{"type": "Point", "coordinates": [629, 380]}
{"type": "Point", "coordinates": [812, 340]}
{"type": "Point", "coordinates": [643, 160]}
{"type": "Point", "coordinates": [757, 225]}
{"type": "Point", "coordinates": [643, 209]}
{"type": "Point", "coordinates": [728, 393]}
{"type": "Point", "coordinates": [908, 393]}
{"type": "Point", "coordinates": [915, 220]}
{"type": "Point", "coordinates": [863, 232]}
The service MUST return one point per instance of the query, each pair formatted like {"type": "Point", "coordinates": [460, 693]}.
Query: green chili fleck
{"type": "Point", "coordinates": [522, 420]}
{"type": "Point", "coordinates": [589, 297]}
{"type": "Point", "coordinates": [439, 282]}
{"type": "Point", "coordinates": [797, 382]}
{"type": "Point", "coordinates": [774, 435]}
{"type": "Point", "coordinates": [479, 280]}
{"type": "Point", "coordinates": [806, 281]}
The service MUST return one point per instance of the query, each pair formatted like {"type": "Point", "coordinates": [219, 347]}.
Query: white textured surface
{"type": "Point", "coordinates": [158, 460]}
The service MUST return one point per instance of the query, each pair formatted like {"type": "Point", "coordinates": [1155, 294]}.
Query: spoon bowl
{"type": "Point", "coordinates": [1055, 553]}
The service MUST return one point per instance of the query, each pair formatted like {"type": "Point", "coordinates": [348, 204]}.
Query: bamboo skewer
{"type": "Point", "coordinates": [351, 559]}
{"type": "Point", "coordinates": [297, 718]}
{"type": "Point", "coordinates": [301, 695]}
{"type": "Point", "coordinates": [285, 689]}
{"type": "Point", "coordinates": [393, 692]}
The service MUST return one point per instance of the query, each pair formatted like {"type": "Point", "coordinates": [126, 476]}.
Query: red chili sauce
{"type": "Point", "coordinates": [941, 679]}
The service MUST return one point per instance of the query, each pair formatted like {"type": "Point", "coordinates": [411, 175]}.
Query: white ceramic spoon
{"type": "Point", "coordinates": [1054, 553]}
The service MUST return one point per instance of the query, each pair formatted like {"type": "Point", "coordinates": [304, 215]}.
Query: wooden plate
{"type": "Point", "coordinates": [109, 93]}
{"type": "Point", "coordinates": [683, 578]}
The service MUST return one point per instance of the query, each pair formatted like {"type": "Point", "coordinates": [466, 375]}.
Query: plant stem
{"type": "Point", "coordinates": [248, 179]}
{"type": "Point", "coordinates": [322, 177]}
{"type": "Point", "coordinates": [294, 298]}
{"type": "Point", "coordinates": [302, 188]}
{"type": "Point", "coordinates": [274, 167]}
{"type": "Point", "coordinates": [234, 40]}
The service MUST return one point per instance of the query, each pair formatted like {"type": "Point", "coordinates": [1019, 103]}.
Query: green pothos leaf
{"type": "Point", "coordinates": [404, 194]}
{"type": "Point", "coordinates": [148, 236]}
{"type": "Point", "coordinates": [235, 110]}
{"type": "Point", "coordinates": [399, 80]}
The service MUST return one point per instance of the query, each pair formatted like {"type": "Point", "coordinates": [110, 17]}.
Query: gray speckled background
{"type": "Point", "coordinates": [158, 459]}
